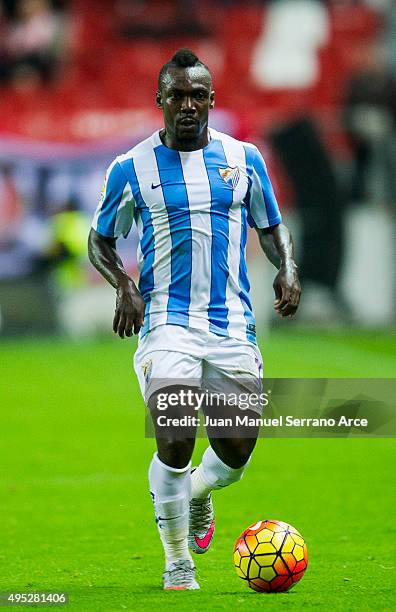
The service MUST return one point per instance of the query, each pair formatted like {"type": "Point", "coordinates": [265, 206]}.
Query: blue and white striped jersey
{"type": "Point", "coordinates": [191, 211]}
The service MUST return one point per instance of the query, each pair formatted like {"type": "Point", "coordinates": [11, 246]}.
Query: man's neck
{"type": "Point", "coordinates": [185, 145]}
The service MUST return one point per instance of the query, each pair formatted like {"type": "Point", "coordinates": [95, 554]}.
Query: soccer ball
{"type": "Point", "coordinates": [271, 556]}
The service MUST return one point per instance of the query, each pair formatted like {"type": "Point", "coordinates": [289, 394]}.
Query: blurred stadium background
{"type": "Point", "coordinates": [312, 83]}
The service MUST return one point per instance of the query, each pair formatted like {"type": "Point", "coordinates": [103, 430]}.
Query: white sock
{"type": "Point", "coordinates": [170, 489]}
{"type": "Point", "coordinates": [213, 473]}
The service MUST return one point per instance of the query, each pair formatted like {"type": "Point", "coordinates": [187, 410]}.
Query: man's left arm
{"type": "Point", "coordinates": [277, 244]}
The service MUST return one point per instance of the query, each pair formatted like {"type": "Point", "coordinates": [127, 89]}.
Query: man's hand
{"type": "Point", "coordinates": [129, 313]}
{"type": "Point", "coordinates": [277, 244]}
{"type": "Point", "coordinates": [287, 290]}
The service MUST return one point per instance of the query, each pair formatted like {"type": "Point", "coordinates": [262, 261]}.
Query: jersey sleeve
{"type": "Point", "coordinates": [114, 214]}
{"type": "Point", "coordinates": [263, 209]}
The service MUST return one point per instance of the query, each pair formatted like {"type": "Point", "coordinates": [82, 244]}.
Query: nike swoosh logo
{"type": "Point", "coordinates": [161, 518]}
{"type": "Point", "coordinates": [204, 542]}
{"type": "Point", "coordinates": [155, 186]}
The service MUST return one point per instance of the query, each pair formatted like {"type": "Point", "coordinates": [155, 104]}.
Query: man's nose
{"type": "Point", "coordinates": [188, 104]}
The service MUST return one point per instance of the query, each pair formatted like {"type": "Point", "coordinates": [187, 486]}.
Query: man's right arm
{"type": "Point", "coordinates": [129, 313]}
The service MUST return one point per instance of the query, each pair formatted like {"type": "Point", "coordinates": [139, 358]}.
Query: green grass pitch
{"type": "Point", "coordinates": [76, 516]}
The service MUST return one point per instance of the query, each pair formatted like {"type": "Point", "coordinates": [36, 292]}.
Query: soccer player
{"type": "Point", "coordinates": [191, 191]}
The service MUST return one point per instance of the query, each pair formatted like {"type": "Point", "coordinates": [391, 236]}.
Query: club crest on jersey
{"type": "Point", "coordinates": [230, 176]}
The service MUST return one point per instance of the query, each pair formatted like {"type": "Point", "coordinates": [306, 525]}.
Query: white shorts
{"type": "Point", "coordinates": [174, 355]}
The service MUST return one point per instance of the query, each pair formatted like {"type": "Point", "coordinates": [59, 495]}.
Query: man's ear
{"type": "Point", "coordinates": [158, 99]}
{"type": "Point", "coordinates": [212, 99]}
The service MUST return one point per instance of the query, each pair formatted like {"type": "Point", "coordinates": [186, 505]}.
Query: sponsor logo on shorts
{"type": "Point", "coordinates": [147, 367]}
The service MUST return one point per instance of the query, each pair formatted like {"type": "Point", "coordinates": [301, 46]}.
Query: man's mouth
{"type": "Point", "coordinates": [187, 121]}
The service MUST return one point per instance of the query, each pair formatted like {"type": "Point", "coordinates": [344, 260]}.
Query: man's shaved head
{"type": "Point", "coordinates": [183, 58]}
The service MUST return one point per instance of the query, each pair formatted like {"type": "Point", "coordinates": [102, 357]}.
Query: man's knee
{"type": "Point", "coordinates": [175, 453]}
{"type": "Point", "coordinates": [240, 452]}
{"type": "Point", "coordinates": [233, 452]}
